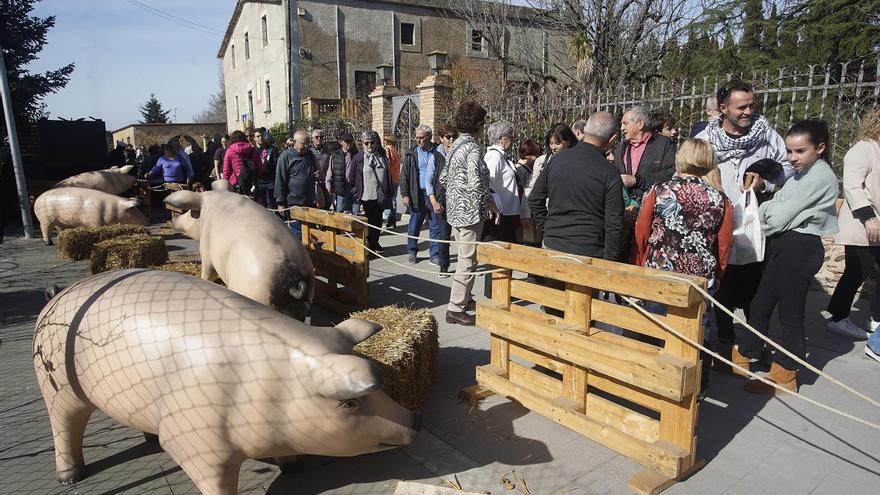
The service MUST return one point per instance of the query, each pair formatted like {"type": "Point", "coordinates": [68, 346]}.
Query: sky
{"type": "Point", "coordinates": [123, 53]}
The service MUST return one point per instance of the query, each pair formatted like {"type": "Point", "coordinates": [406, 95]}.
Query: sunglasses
{"type": "Point", "coordinates": [368, 142]}
{"type": "Point", "coordinates": [449, 136]}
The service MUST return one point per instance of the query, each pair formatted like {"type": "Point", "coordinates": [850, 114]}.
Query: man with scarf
{"type": "Point", "coordinates": [741, 137]}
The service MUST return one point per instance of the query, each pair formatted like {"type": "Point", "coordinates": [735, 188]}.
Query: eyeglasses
{"type": "Point", "coordinates": [367, 142]}
{"type": "Point", "coordinates": [449, 136]}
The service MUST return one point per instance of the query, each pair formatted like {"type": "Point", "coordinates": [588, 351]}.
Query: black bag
{"type": "Point", "coordinates": [245, 179]}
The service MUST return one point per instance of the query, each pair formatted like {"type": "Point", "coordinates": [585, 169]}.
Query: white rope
{"type": "Point", "coordinates": [410, 268]}
{"type": "Point", "coordinates": [771, 342]}
{"type": "Point", "coordinates": [634, 303]}
{"type": "Point", "coordinates": [380, 229]}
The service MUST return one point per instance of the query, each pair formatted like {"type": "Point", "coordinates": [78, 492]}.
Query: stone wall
{"type": "Point", "coordinates": [147, 134]}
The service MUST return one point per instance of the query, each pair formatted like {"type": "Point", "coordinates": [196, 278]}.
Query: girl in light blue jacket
{"type": "Point", "coordinates": [793, 221]}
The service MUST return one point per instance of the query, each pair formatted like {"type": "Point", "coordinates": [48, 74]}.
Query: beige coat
{"type": "Point", "coordinates": [861, 187]}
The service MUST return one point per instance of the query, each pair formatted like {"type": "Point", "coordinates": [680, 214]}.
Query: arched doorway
{"type": "Point", "coordinates": [405, 116]}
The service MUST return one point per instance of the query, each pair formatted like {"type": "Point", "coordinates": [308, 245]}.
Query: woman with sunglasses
{"type": "Point", "coordinates": [371, 178]}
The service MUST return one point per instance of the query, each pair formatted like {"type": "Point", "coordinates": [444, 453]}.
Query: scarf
{"type": "Point", "coordinates": [728, 148]}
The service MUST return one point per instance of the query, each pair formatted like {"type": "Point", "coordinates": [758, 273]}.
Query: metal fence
{"type": "Point", "coordinates": [838, 94]}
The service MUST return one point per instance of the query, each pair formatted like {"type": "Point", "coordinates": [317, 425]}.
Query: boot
{"type": "Point", "coordinates": [779, 375]}
{"type": "Point", "coordinates": [740, 360]}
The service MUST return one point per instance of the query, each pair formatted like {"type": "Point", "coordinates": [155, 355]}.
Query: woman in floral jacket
{"type": "Point", "coordinates": [686, 225]}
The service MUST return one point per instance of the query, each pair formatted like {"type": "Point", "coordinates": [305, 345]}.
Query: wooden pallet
{"type": "Point", "coordinates": [634, 393]}
{"type": "Point", "coordinates": [335, 242]}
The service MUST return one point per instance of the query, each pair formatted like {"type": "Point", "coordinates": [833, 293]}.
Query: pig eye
{"type": "Point", "coordinates": [349, 404]}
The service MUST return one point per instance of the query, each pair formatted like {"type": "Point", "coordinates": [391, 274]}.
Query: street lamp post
{"type": "Point", "coordinates": [20, 184]}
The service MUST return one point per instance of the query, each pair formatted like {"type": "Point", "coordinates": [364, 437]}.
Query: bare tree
{"type": "Point", "coordinates": [216, 108]}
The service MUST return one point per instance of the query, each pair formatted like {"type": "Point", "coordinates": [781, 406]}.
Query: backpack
{"type": "Point", "coordinates": [245, 179]}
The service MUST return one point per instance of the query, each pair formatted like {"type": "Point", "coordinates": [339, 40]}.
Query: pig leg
{"type": "Point", "coordinates": [214, 471]}
{"type": "Point", "coordinates": [46, 228]}
{"type": "Point", "coordinates": [208, 272]}
{"type": "Point", "coordinates": [68, 427]}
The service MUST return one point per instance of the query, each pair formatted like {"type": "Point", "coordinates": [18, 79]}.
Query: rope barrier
{"type": "Point", "coordinates": [633, 302]}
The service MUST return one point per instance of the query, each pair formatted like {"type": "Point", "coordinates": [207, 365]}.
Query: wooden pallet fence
{"type": "Point", "coordinates": [335, 243]}
{"type": "Point", "coordinates": [634, 393]}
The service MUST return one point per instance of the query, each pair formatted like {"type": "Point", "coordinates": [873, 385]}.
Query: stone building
{"type": "Point", "coordinates": [147, 134]}
{"type": "Point", "coordinates": [338, 44]}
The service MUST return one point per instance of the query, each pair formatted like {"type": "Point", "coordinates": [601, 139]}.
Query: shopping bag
{"type": "Point", "coordinates": [748, 238]}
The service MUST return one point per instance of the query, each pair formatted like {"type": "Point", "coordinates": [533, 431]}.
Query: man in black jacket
{"type": "Point", "coordinates": [578, 198]}
{"type": "Point", "coordinates": [265, 192]}
{"type": "Point", "coordinates": [643, 158]}
{"type": "Point", "coordinates": [322, 160]}
{"type": "Point", "coordinates": [295, 178]}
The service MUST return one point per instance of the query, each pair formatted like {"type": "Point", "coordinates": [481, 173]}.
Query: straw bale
{"type": "Point", "coordinates": [76, 243]}
{"type": "Point", "coordinates": [133, 251]}
{"type": "Point", "coordinates": [406, 349]}
{"type": "Point", "coordinates": [189, 268]}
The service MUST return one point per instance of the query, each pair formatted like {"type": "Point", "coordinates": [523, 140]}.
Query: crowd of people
{"type": "Point", "coordinates": [616, 189]}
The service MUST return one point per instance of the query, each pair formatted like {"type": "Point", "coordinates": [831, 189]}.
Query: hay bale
{"type": "Point", "coordinates": [406, 349]}
{"type": "Point", "coordinates": [77, 243]}
{"type": "Point", "coordinates": [189, 268]}
{"type": "Point", "coordinates": [133, 251]}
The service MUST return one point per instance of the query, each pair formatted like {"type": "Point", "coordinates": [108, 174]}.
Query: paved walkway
{"type": "Point", "coordinates": [753, 445]}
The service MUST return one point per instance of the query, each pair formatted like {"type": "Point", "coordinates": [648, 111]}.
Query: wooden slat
{"type": "Point", "coordinates": [646, 371]}
{"type": "Point", "coordinates": [679, 420]}
{"type": "Point", "coordinates": [628, 421]}
{"type": "Point", "coordinates": [331, 219]}
{"type": "Point", "coordinates": [532, 314]}
{"type": "Point", "coordinates": [650, 482]}
{"type": "Point", "coordinates": [535, 381]}
{"type": "Point", "coordinates": [500, 348]}
{"type": "Point", "coordinates": [577, 314]}
{"type": "Point", "coordinates": [663, 456]}
{"type": "Point", "coordinates": [538, 294]}
{"type": "Point", "coordinates": [613, 338]}
{"type": "Point", "coordinates": [639, 282]}
{"type": "Point", "coordinates": [628, 318]}
{"type": "Point", "coordinates": [536, 357]}
{"type": "Point", "coordinates": [616, 387]}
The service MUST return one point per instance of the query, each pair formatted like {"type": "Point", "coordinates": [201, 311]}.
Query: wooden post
{"type": "Point", "coordinates": [500, 348]}
{"type": "Point", "coordinates": [578, 301]}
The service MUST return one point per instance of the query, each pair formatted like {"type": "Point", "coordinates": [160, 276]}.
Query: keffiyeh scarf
{"type": "Point", "coordinates": [727, 148]}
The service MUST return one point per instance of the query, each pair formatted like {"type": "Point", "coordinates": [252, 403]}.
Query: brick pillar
{"type": "Point", "coordinates": [435, 101]}
{"type": "Point", "coordinates": [380, 101]}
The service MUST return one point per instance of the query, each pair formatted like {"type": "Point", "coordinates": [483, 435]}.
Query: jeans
{"type": "Point", "coordinates": [343, 203]}
{"type": "Point", "coordinates": [296, 229]}
{"type": "Point", "coordinates": [389, 215]}
{"type": "Point", "coordinates": [439, 230]}
{"type": "Point", "coordinates": [859, 260]}
{"type": "Point", "coordinates": [874, 342]}
{"type": "Point", "coordinates": [417, 218]}
{"type": "Point", "coordinates": [265, 193]}
{"type": "Point", "coordinates": [794, 259]}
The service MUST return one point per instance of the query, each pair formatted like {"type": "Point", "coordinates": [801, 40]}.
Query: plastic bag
{"type": "Point", "coordinates": [748, 238]}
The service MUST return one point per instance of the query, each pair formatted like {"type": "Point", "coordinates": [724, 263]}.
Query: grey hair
{"type": "Point", "coordinates": [601, 125]}
{"type": "Point", "coordinates": [301, 136]}
{"type": "Point", "coordinates": [579, 125]}
{"type": "Point", "coordinates": [426, 129]}
{"type": "Point", "coordinates": [373, 136]}
{"type": "Point", "coordinates": [498, 130]}
{"type": "Point", "coordinates": [641, 112]}
{"type": "Point", "coordinates": [711, 104]}
{"type": "Point", "coordinates": [317, 132]}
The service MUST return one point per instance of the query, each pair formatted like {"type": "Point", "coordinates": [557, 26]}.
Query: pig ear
{"type": "Point", "coordinates": [126, 169]}
{"type": "Point", "coordinates": [221, 185]}
{"type": "Point", "coordinates": [357, 330]}
{"type": "Point", "coordinates": [185, 200]}
{"type": "Point", "coordinates": [131, 203]}
{"type": "Point", "coordinates": [343, 376]}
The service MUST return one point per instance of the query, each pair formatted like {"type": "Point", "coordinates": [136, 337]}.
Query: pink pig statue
{"type": "Point", "coordinates": [114, 180]}
{"type": "Point", "coordinates": [218, 377]}
{"type": "Point", "coordinates": [67, 207]}
{"type": "Point", "coordinates": [249, 247]}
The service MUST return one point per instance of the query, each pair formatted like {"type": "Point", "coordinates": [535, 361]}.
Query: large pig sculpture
{"type": "Point", "coordinates": [114, 180]}
{"type": "Point", "coordinates": [218, 377]}
{"type": "Point", "coordinates": [67, 207]}
{"type": "Point", "coordinates": [249, 247]}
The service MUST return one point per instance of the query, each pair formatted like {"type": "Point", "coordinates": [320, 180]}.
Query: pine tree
{"type": "Point", "coordinates": [152, 112]}
{"type": "Point", "coordinates": [753, 25]}
{"type": "Point", "coordinates": [771, 30]}
{"type": "Point", "coordinates": [22, 37]}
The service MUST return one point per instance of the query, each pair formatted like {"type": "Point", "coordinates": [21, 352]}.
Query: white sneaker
{"type": "Point", "coordinates": [848, 328]}
{"type": "Point", "coordinates": [871, 354]}
{"type": "Point", "coordinates": [874, 325]}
